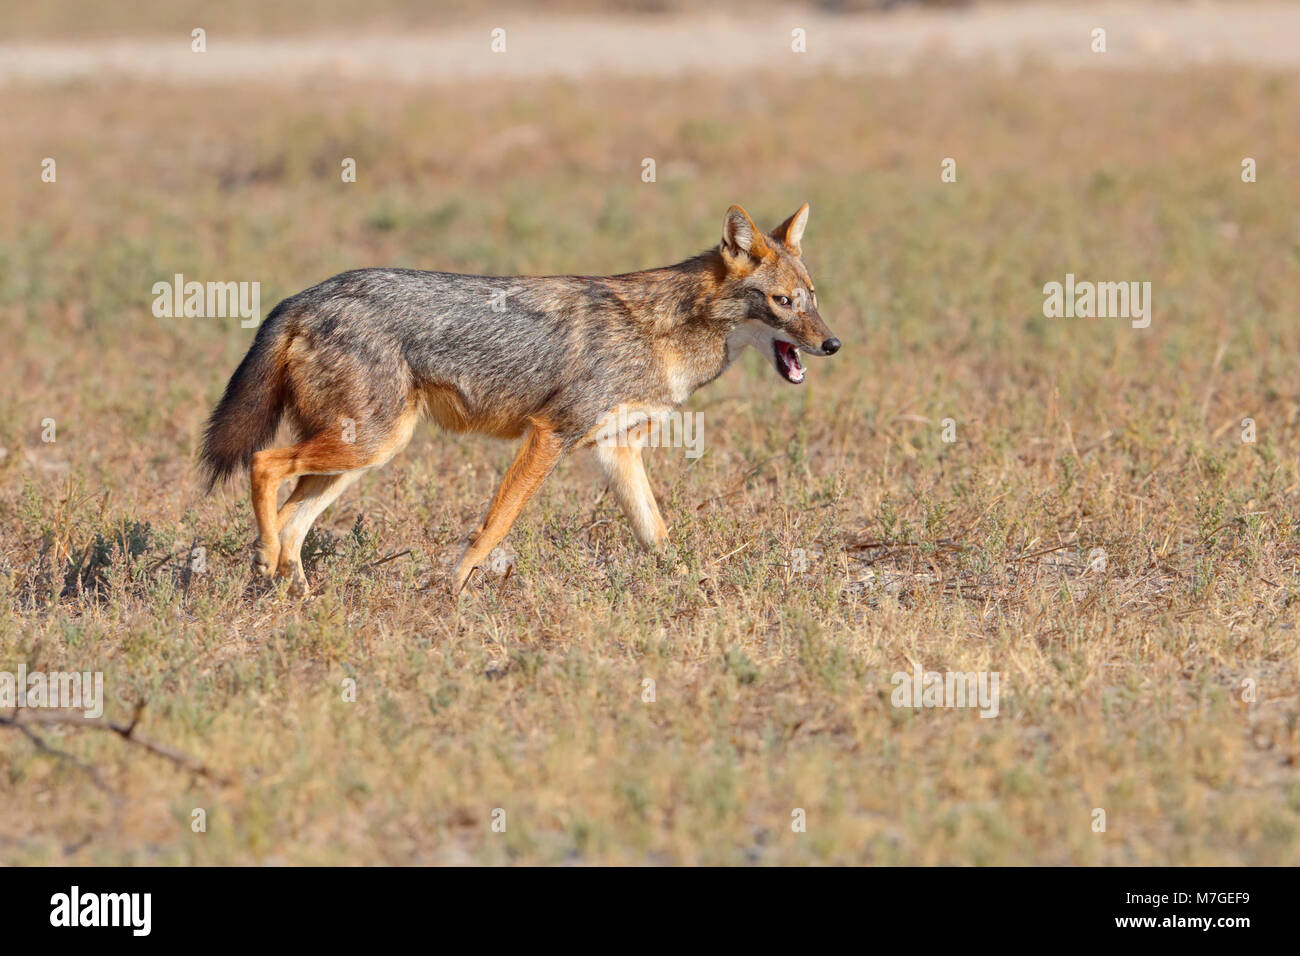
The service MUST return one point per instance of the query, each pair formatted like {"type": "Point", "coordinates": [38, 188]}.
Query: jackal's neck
{"type": "Point", "coordinates": [686, 310]}
{"type": "Point", "coordinates": [685, 299]}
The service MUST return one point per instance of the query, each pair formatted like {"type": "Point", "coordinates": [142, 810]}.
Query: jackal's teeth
{"type": "Point", "coordinates": [787, 361]}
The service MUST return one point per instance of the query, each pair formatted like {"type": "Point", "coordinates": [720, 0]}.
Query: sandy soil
{"type": "Point", "coordinates": [1139, 35]}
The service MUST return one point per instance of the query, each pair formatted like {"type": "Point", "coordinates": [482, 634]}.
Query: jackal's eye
{"type": "Point", "coordinates": [782, 300]}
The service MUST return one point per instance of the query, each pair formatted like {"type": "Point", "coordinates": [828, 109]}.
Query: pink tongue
{"type": "Point", "coordinates": [790, 359]}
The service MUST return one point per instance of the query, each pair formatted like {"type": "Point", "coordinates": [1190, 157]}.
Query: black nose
{"type": "Point", "coordinates": [831, 346]}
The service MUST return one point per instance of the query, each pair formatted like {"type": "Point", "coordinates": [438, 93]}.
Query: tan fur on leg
{"type": "Point", "coordinates": [625, 473]}
{"type": "Point", "coordinates": [326, 454]}
{"type": "Point", "coordinates": [538, 455]}
{"type": "Point", "coordinates": [313, 495]}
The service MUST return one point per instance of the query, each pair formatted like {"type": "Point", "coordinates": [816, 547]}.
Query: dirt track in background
{"type": "Point", "coordinates": [1138, 36]}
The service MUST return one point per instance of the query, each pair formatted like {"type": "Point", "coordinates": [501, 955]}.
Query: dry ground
{"type": "Point", "coordinates": [1121, 687]}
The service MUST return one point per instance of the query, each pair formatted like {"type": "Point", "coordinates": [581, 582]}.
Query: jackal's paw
{"type": "Point", "coordinates": [265, 561]}
{"type": "Point", "coordinates": [298, 586]}
{"type": "Point", "coordinates": [656, 543]}
{"type": "Point", "coordinates": [456, 583]}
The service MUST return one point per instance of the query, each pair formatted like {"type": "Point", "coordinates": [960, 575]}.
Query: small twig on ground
{"type": "Point", "coordinates": [41, 745]}
{"type": "Point", "coordinates": [736, 551]}
{"type": "Point", "coordinates": [25, 719]}
{"type": "Point", "coordinates": [391, 557]}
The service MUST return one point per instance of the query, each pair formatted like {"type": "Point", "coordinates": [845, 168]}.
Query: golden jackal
{"type": "Point", "coordinates": [356, 360]}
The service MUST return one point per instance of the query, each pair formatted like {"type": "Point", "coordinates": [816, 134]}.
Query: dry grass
{"type": "Point", "coordinates": [1121, 688]}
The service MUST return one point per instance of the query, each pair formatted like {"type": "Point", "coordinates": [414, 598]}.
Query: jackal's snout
{"type": "Point", "coordinates": [808, 334]}
{"type": "Point", "coordinates": [816, 337]}
{"type": "Point", "coordinates": [800, 330]}
{"type": "Point", "coordinates": [813, 335]}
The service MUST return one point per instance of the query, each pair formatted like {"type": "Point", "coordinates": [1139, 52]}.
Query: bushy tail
{"type": "Point", "coordinates": [248, 414]}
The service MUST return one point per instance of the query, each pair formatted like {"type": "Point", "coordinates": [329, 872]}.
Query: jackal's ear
{"type": "Point", "coordinates": [740, 235]}
{"type": "Point", "coordinates": [790, 232]}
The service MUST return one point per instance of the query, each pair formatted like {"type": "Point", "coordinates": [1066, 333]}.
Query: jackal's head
{"type": "Point", "coordinates": [767, 276]}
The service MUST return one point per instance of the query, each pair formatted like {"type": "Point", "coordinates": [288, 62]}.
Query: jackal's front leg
{"type": "Point", "coordinates": [537, 457]}
{"type": "Point", "coordinates": [625, 472]}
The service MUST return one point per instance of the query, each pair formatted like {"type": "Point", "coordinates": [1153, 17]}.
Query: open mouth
{"type": "Point", "coordinates": [787, 361]}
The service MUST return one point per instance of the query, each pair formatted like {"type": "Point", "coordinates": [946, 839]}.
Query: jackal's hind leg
{"type": "Point", "coordinates": [310, 498]}
{"type": "Point", "coordinates": [625, 473]}
{"type": "Point", "coordinates": [537, 457]}
{"type": "Point", "coordinates": [324, 455]}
